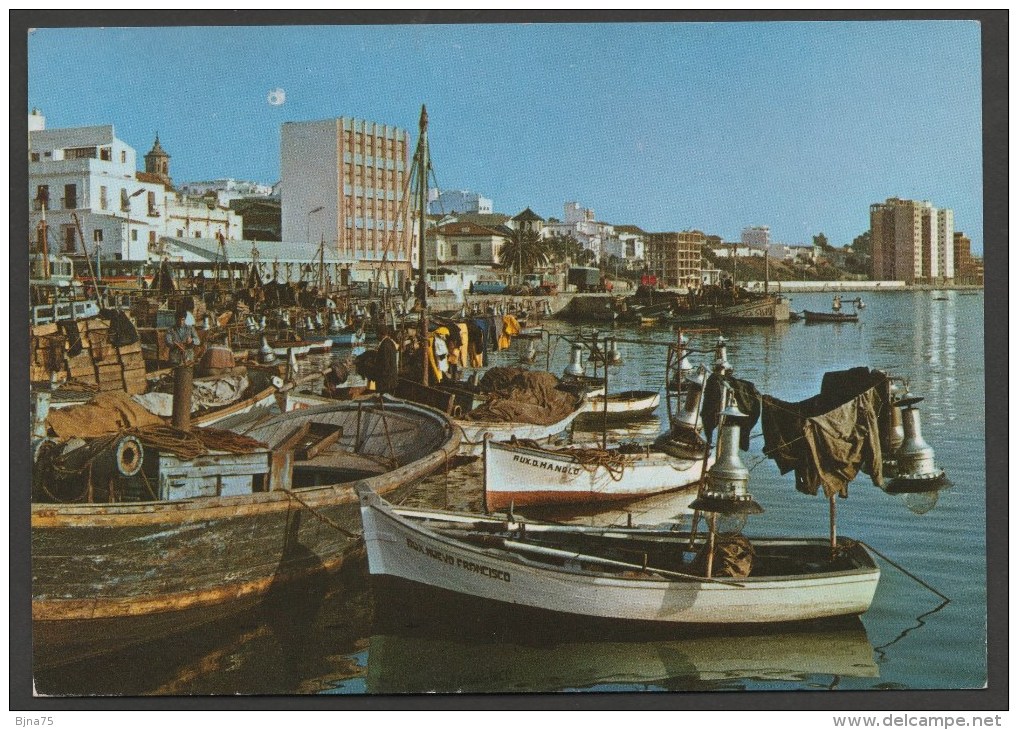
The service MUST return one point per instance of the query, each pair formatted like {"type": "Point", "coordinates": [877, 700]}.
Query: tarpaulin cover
{"type": "Point", "coordinates": [829, 438]}
{"type": "Point", "coordinates": [522, 396]}
{"type": "Point", "coordinates": [107, 413]}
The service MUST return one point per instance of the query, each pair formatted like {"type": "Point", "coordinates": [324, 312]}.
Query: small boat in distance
{"type": "Point", "coordinates": [815, 317]}
{"type": "Point", "coordinates": [647, 576]}
{"type": "Point", "coordinates": [629, 405]}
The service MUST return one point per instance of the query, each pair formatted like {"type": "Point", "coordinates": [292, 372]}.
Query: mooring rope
{"type": "Point", "coordinates": [331, 523]}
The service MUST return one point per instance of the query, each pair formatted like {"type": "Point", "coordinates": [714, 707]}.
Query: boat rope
{"type": "Point", "coordinates": [331, 523]}
{"type": "Point", "coordinates": [914, 577]}
{"type": "Point", "coordinates": [589, 459]}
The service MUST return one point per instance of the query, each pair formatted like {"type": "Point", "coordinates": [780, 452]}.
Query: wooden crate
{"type": "Point", "coordinates": [44, 330]}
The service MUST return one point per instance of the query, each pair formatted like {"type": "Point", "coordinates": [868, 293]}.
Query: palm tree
{"type": "Point", "coordinates": [523, 251]}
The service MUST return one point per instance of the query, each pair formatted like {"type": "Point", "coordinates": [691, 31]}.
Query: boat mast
{"type": "Point", "coordinates": [422, 164]}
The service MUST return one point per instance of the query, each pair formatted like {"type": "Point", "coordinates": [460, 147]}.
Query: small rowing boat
{"type": "Point", "coordinates": [814, 317]}
{"type": "Point", "coordinates": [648, 576]}
{"type": "Point", "coordinates": [629, 405]}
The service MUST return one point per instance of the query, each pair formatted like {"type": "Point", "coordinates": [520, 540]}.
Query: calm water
{"type": "Point", "coordinates": [331, 636]}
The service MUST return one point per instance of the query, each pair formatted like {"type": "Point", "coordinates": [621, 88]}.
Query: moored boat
{"type": "Point", "coordinates": [813, 317]}
{"type": "Point", "coordinates": [515, 474]}
{"type": "Point", "coordinates": [629, 405]}
{"type": "Point", "coordinates": [212, 539]}
{"type": "Point", "coordinates": [639, 575]}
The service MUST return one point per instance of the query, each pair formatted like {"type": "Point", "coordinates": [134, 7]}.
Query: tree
{"type": "Point", "coordinates": [863, 243]}
{"type": "Point", "coordinates": [821, 240]}
{"type": "Point", "coordinates": [523, 251]}
{"type": "Point", "coordinates": [564, 249]}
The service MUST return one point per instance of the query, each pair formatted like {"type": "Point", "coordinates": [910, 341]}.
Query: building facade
{"type": "Point", "coordinates": [756, 236]}
{"type": "Point", "coordinates": [676, 259]}
{"type": "Point", "coordinates": [457, 201]}
{"type": "Point", "coordinates": [912, 241]}
{"type": "Point", "coordinates": [465, 243]}
{"type": "Point", "coordinates": [84, 184]}
{"type": "Point", "coordinates": [632, 240]}
{"type": "Point", "coordinates": [344, 182]}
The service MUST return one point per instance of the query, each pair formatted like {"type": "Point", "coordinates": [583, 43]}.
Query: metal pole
{"type": "Point", "coordinates": [604, 411]}
{"type": "Point", "coordinates": [713, 523]}
{"type": "Point", "coordinates": [422, 202]}
{"type": "Point", "coordinates": [833, 513]}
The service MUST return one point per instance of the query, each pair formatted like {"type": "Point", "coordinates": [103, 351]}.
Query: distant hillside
{"type": "Point", "coordinates": [751, 268]}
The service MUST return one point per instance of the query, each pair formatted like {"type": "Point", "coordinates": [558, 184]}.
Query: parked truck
{"type": "Point", "coordinates": [586, 279]}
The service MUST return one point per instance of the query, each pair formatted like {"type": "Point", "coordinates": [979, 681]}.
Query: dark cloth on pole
{"type": "Point", "coordinates": [829, 438]}
{"type": "Point", "coordinates": [387, 366]}
{"type": "Point", "coordinates": [747, 398]}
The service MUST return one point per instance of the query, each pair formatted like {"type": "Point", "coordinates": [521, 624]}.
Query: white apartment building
{"type": "Point", "coordinates": [88, 174]}
{"type": "Point", "coordinates": [457, 201]}
{"type": "Point", "coordinates": [756, 236]}
{"type": "Point", "coordinates": [226, 189]}
{"type": "Point", "coordinates": [343, 181]}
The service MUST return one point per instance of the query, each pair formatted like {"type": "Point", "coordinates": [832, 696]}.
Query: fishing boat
{"type": "Point", "coordinates": [524, 475]}
{"type": "Point", "coordinates": [221, 529]}
{"type": "Point", "coordinates": [474, 433]}
{"type": "Point", "coordinates": [815, 317]}
{"type": "Point", "coordinates": [629, 405]}
{"type": "Point", "coordinates": [646, 576]}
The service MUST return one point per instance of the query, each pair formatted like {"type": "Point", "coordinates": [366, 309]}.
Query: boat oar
{"type": "Point", "coordinates": [554, 552]}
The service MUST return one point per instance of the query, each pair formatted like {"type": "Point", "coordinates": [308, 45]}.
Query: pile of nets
{"type": "Point", "coordinates": [522, 396]}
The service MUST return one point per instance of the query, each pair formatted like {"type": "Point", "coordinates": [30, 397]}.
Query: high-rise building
{"type": "Point", "coordinates": [911, 241]}
{"type": "Point", "coordinates": [344, 181]}
{"type": "Point", "coordinates": [676, 258]}
{"type": "Point", "coordinates": [759, 236]}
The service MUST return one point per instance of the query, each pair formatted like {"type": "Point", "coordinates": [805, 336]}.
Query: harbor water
{"type": "Point", "coordinates": [336, 635]}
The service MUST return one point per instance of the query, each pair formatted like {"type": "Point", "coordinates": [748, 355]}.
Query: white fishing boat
{"type": "Point", "coordinates": [636, 575]}
{"type": "Point", "coordinates": [629, 405]}
{"type": "Point", "coordinates": [474, 433]}
{"type": "Point", "coordinates": [521, 475]}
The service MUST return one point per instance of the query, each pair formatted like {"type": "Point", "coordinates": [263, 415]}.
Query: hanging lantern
{"type": "Point", "coordinates": [684, 365]}
{"type": "Point", "coordinates": [727, 490]}
{"type": "Point", "coordinates": [262, 323]}
{"type": "Point", "coordinates": [575, 367]}
{"type": "Point", "coordinates": [916, 470]}
{"type": "Point", "coordinates": [689, 414]}
{"type": "Point", "coordinates": [266, 355]}
{"type": "Point", "coordinates": [721, 354]}
{"type": "Point", "coordinates": [207, 323]}
{"type": "Point", "coordinates": [614, 356]}
{"type": "Point", "coordinates": [319, 322]}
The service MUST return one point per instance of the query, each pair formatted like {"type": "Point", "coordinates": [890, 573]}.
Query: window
{"type": "Point", "coordinates": [454, 250]}
{"type": "Point", "coordinates": [477, 249]}
{"type": "Point", "coordinates": [123, 156]}
{"type": "Point", "coordinates": [69, 239]}
{"type": "Point", "coordinates": [35, 157]}
{"type": "Point", "coordinates": [197, 234]}
{"type": "Point", "coordinates": [180, 233]}
{"type": "Point", "coordinates": [125, 201]}
{"type": "Point", "coordinates": [151, 237]}
{"type": "Point", "coordinates": [102, 197]}
{"type": "Point", "coordinates": [97, 235]}
{"type": "Point", "coordinates": [152, 203]}
{"type": "Point", "coordinates": [42, 197]}
{"type": "Point", "coordinates": [70, 197]}
{"type": "Point", "coordinates": [105, 154]}
{"type": "Point", "coordinates": [134, 234]}
{"type": "Point", "coordinates": [80, 153]}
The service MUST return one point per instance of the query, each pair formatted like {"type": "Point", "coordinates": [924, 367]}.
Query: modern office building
{"type": "Point", "coordinates": [344, 181]}
{"type": "Point", "coordinates": [756, 236]}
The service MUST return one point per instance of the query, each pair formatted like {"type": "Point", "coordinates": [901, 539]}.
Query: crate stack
{"type": "Point", "coordinates": [98, 363]}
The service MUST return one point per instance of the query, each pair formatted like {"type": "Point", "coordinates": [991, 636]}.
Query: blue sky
{"type": "Point", "coordinates": [669, 126]}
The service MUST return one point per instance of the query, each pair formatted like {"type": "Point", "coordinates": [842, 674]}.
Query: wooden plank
{"type": "Point", "coordinates": [323, 435]}
{"type": "Point", "coordinates": [44, 330]}
{"type": "Point", "coordinates": [130, 349]}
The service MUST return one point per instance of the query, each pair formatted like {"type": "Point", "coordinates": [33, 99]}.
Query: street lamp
{"type": "Point", "coordinates": [135, 194]}
{"type": "Point", "coordinates": [307, 229]}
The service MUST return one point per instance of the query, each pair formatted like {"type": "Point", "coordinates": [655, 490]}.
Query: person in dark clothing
{"type": "Point", "coordinates": [387, 362]}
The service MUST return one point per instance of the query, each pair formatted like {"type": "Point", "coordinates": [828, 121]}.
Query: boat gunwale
{"type": "Point", "coordinates": [865, 573]}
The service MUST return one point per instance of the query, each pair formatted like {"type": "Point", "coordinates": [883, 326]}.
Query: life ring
{"type": "Point", "coordinates": [128, 456]}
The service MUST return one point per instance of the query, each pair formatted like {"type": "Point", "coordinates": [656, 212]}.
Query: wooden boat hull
{"type": "Point", "coordinates": [813, 317]}
{"type": "Point", "coordinates": [474, 432]}
{"type": "Point", "coordinates": [526, 477]}
{"type": "Point", "coordinates": [630, 405]}
{"type": "Point", "coordinates": [94, 562]}
{"type": "Point", "coordinates": [406, 549]}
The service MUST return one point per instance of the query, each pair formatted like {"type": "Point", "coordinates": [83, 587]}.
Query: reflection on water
{"type": "Point", "coordinates": [416, 663]}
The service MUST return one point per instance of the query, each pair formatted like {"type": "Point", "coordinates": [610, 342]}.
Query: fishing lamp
{"type": "Point", "coordinates": [614, 356]}
{"type": "Point", "coordinates": [266, 354]}
{"type": "Point", "coordinates": [207, 323]}
{"type": "Point", "coordinates": [727, 490]}
{"type": "Point", "coordinates": [319, 322]}
{"type": "Point", "coordinates": [721, 354]}
{"type": "Point", "coordinates": [575, 366]}
{"type": "Point", "coordinates": [251, 326]}
{"type": "Point", "coordinates": [684, 364]}
{"type": "Point", "coordinates": [335, 326]}
{"type": "Point", "coordinates": [309, 325]}
{"type": "Point", "coordinates": [689, 411]}
{"type": "Point", "coordinates": [262, 323]}
{"type": "Point", "coordinates": [916, 471]}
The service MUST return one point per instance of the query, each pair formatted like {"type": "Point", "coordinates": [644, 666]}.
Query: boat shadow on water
{"type": "Point", "coordinates": [427, 640]}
